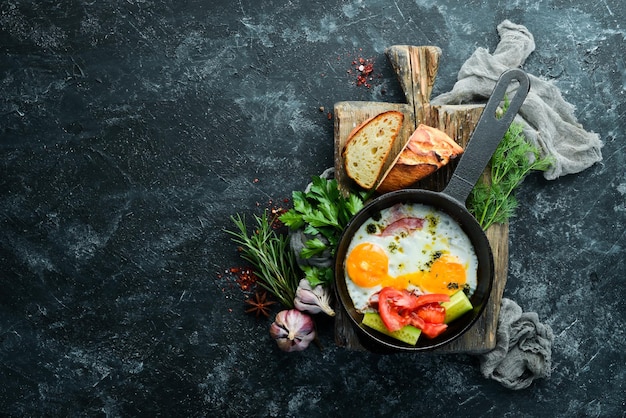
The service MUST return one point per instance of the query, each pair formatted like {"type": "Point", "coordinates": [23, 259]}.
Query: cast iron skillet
{"type": "Point", "coordinates": [483, 142]}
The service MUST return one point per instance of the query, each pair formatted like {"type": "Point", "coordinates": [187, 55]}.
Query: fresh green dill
{"type": "Point", "coordinates": [493, 200]}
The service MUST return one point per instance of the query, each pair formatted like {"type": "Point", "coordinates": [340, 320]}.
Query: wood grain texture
{"type": "Point", "coordinates": [416, 68]}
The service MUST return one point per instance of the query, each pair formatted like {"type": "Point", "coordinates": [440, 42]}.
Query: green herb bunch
{"type": "Point", "coordinates": [321, 211]}
{"type": "Point", "coordinates": [268, 251]}
{"type": "Point", "coordinates": [494, 201]}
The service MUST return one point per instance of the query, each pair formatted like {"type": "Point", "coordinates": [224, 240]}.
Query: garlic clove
{"type": "Point", "coordinates": [293, 330]}
{"type": "Point", "coordinates": [313, 300]}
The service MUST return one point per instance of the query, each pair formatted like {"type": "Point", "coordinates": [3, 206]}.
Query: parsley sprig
{"type": "Point", "coordinates": [494, 201]}
{"type": "Point", "coordinates": [322, 212]}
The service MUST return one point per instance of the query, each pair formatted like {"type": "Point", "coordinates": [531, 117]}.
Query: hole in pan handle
{"type": "Point", "coordinates": [487, 135]}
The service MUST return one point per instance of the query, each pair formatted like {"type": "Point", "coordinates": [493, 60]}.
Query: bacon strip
{"type": "Point", "coordinates": [407, 225]}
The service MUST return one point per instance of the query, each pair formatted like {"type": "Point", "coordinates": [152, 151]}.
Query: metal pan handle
{"type": "Point", "coordinates": [487, 135]}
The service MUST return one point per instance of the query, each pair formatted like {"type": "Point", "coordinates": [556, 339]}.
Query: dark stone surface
{"type": "Point", "coordinates": [130, 130]}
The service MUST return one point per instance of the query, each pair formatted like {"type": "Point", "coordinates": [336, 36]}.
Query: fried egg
{"type": "Point", "coordinates": [413, 247]}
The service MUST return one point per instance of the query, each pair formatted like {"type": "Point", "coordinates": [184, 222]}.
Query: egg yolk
{"type": "Point", "coordinates": [367, 265]}
{"type": "Point", "coordinates": [446, 275]}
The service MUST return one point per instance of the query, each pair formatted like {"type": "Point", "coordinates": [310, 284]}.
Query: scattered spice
{"type": "Point", "coordinates": [244, 277]}
{"type": "Point", "coordinates": [260, 304]}
{"type": "Point", "coordinates": [275, 211]}
{"type": "Point", "coordinates": [276, 223]}
{"type": "Point", "coordinates": [329, 114]}
{"type": "Point", "coordinates": [363, 71]}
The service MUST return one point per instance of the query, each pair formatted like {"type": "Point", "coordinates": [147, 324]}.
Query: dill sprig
{"type": "Point", "coordinates": [493, 201]}
{"type": "Point", "coordinates": [269, 253]}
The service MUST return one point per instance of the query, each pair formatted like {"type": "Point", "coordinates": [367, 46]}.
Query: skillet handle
{"type": "Point", "coordinates": [487, 135]}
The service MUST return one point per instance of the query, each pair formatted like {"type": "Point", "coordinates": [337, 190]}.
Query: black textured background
{"type": "Point", "coordinates": [130, 130]}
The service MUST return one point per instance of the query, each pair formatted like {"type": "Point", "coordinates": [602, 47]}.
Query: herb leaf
{"type": "Point", "coordinates": [322, 210]}
{"type": "Point", "coordinates": [292, 220]}
{"type": "Point", "coordinates": [313, 247]}
{"type": "Point", "coordinates": [274, 263]}
{"type": "Point", "coordinates": [318, 275]}
{"type": "Point", "coordinates": [494, 201]}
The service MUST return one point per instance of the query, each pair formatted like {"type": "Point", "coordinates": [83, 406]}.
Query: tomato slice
{"type": "Point", "coordinates": [395, 307]}
{"type": "Point", "coordinates": [398, 308]}
{"type": "Point", "coordinates": [432, 298]}
{"type": "Point", "coordinates": [416, 320]}
{"type": "Point", "coordinates": [433, 330]}
{"type": "Point", "coordinates": [433, 313]}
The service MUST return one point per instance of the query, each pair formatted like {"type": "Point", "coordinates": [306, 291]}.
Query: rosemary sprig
{"type": "Point", "coordinates": [494, 201]}
{"type": "Point", "coordinates": [269, 253]}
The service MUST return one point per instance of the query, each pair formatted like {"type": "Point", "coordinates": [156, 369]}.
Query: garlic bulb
{"type": "Point", "coordinates": [313, 299]}
{"type": "Point", "coordinates": [292, 330]}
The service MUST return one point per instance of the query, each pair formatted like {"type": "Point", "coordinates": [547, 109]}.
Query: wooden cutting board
{"type": "Point", "coordinates": [416, 67]}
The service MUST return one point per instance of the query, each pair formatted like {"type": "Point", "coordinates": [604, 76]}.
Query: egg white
{"type": "Point", "coordinates": [408, 253]}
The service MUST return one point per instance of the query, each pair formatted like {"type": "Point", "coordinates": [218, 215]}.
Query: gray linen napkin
{"type": "Point", "coordinates": [549, 121]}
{"type": "Point", "coordinates": [523, 350]}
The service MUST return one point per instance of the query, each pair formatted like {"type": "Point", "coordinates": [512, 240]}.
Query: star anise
{"type": "Point", "coordinates": [260, 304]}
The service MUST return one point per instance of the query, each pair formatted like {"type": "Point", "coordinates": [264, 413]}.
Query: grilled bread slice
{"type": "Point", "coordinates": [368, 145]}
{"type": "Point", "coordinates": [427, 150]}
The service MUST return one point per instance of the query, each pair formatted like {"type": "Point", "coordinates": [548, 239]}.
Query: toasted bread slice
{"type": "Point", "coordinates": [427, 150]}
{"type": "Point", "coordinates": [368, 146]}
